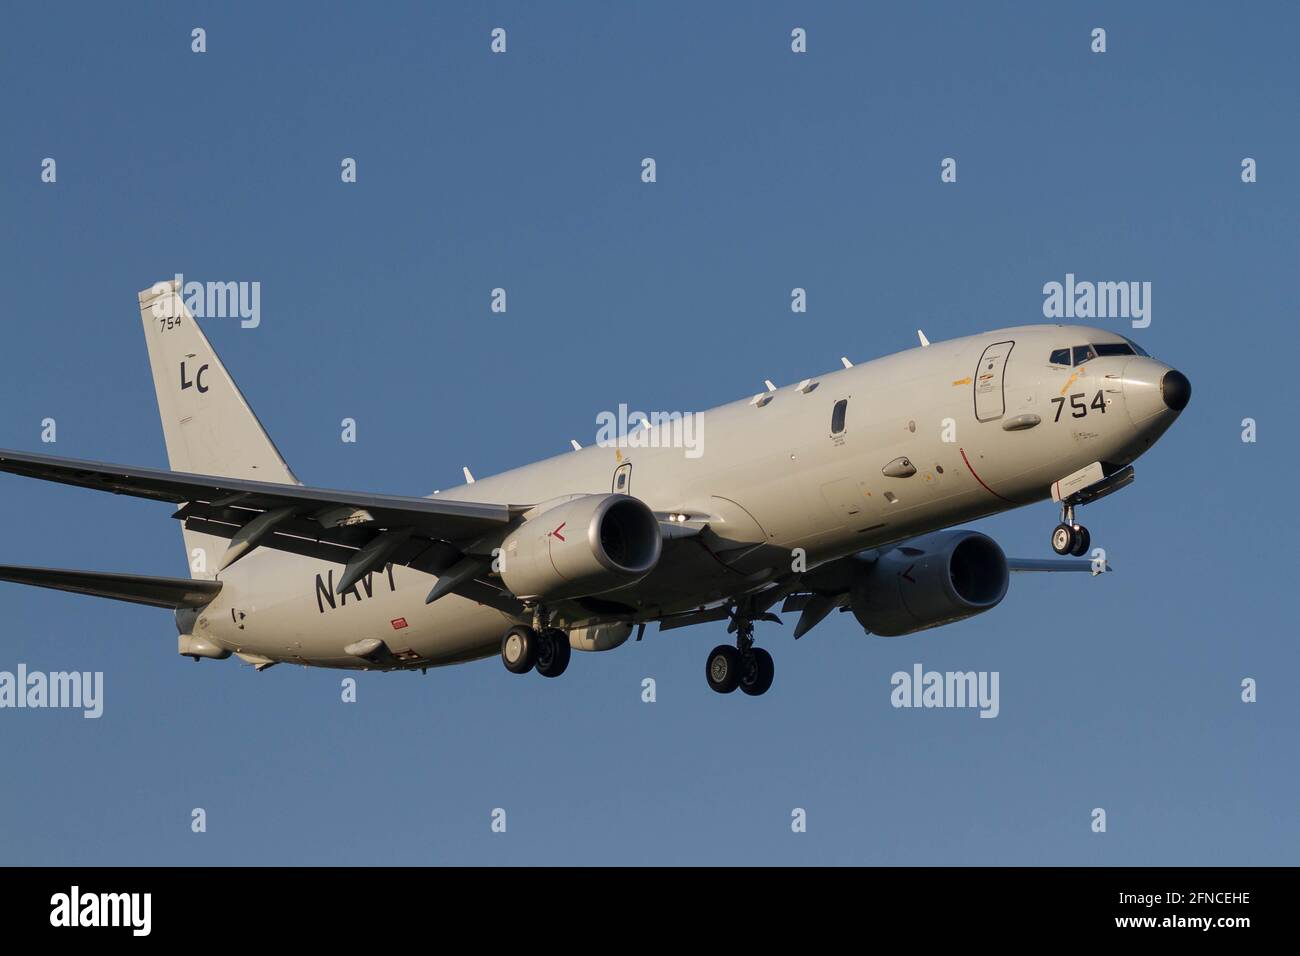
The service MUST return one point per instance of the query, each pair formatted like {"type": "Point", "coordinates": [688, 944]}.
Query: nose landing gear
{"type": "Point", "coordinates": [1069, 537]}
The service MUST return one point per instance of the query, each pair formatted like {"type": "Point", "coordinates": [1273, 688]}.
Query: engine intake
{"type": "Point", "coordinates": [585, 546]}
{"type": "Point", "coordinates": [928, 581]}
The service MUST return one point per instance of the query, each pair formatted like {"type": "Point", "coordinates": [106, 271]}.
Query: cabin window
{"type": "Point", "coordinates": [837, 416]}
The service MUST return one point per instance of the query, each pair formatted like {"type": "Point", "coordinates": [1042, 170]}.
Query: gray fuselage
{"type": "Point", "coordinates": [987, 422]}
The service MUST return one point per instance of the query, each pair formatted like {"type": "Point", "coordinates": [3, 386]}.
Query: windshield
{"type": "Point", "coordinates": [1078, 354]}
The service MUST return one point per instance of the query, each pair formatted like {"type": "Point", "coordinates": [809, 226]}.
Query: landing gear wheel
{"type": "Point", "coordinates": [1082, 541]}
{"type": "Point", "coordinates": [723, 668]}
{"type": "Point", "coordinates": [758, 672]}
{"type": "Point", "coordinates": [553, 652]}
{"type": "Point", "coordinates": [1063, 538]}
{"type": "Point", "coordinates": [519, 649]}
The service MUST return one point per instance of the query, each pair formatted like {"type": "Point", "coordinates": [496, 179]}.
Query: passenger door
{"type": "Point", "coordinates": [990, 402]}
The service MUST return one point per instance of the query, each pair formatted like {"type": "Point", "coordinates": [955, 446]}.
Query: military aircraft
{"type": "Point", "coordinates": [838, 493]}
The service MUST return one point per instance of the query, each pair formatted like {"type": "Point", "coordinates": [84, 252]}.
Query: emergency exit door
{"type": "Point", "coordinates": [990, 402]}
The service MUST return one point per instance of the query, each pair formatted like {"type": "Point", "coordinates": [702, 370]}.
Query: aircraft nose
{"type": "Point", "coordinates": [1154, 393]}
{"type": "Point", "coordinates": [1175, 389]}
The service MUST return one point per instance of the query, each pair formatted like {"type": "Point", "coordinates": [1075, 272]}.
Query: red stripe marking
{"type": "Point", "coordinates": [981, 480]}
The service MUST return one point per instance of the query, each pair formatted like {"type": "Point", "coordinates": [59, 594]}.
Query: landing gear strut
{"type": "Point", "coordinates": [1069, 537]}
{"type": "Point", "coordinates": [745, 666]}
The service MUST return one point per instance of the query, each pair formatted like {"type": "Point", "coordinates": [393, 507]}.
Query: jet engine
{"type": "Point", "coordinates": [585, 546]}
{"type": "Point", "coordinates": [935, 579]}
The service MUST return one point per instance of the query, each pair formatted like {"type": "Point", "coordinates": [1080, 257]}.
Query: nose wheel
{"type": "Point", "coordinates": [1068, 537]}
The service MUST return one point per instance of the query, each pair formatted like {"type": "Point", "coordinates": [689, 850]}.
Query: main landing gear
{"type": "Point", "coordinates": [745, 666]}
{"type": "Point", "coordinates": [524, 648]}
{"type": "Point", "coordinates": [1068, 537]}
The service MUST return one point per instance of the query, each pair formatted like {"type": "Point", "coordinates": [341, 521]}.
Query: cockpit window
{"type": "Point", "coordinates": [1105, 349]}
{"type": "Point", "coordinates": [1138, 349]}
{"type": "Point", "coordinates": [1086, 353]}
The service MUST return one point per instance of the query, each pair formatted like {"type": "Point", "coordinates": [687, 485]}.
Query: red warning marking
{"type": "Point", "coordinates": [981, 480]}
{"type": "Point", "coordinates": [398, 623]}
{"type": "Point", "coordinates": [557, 531]}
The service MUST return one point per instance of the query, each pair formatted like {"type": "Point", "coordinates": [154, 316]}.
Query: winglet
{"type": "Point", "coordinates": [925, 343]}
{"type": "Point", "coordinates": [844, 360]}
{"type": "Point", "coordinates": [469, 479]}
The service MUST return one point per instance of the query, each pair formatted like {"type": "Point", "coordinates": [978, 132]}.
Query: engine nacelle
{"type": "Point", "coordinates": [586, 546]}
{"type": "Point", "coordinates": [935, 579]}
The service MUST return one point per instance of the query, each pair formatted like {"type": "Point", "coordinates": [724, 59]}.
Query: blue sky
{"type": "Point", "coordinates": [775, 170]}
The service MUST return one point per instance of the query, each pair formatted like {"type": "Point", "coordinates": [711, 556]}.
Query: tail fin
{"type": "Point", "coordinates": [208, 427]}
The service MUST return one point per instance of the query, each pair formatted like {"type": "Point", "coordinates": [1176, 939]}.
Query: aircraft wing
{"type": "Point", "coordinates": [359, 529]}
{"type": "Point", "coordinates": [442, 518]}
{"type": "Point", "coordinates": [825, 588]}
{"type": "Point", "coordinates": [136, 588]}
{"type": "Point", "coordinates": [1052, 564]}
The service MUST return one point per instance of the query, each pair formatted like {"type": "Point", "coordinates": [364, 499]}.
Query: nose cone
{"type": "Point", "coordinates": [1154, 393]}
{"type": "Point", "coordinates": [1175, 389]}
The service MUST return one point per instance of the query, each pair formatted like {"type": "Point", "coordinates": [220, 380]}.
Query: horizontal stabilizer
{"type": "Point", "coordinates": [137, 588]}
